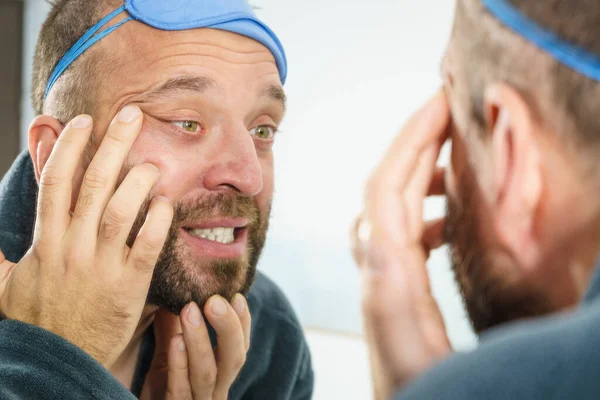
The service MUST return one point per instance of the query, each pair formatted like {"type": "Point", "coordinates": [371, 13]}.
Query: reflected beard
{"type": "Point", "coordinates": [489, 299]}
{"type": "Point", "coordinates": [179, 277]}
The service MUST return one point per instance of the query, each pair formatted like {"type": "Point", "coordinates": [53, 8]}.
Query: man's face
{"type": "Point", "coordinates": [211, 102]}
{"type": "Point", "coordinates": [493, 289]}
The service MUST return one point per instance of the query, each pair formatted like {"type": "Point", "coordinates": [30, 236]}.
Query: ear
{"type": "Point", "coordinates": [516, 174]}
{"type": "Point", "coordinates": [43, 134]}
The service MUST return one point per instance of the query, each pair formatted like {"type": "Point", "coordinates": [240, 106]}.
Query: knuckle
{"type": "Point", "coordinates": [376, 310]}
{"type": "Point", "coordinates": [84, 204]}
{"type": "Point", "coordinates": [113, 138]}
{"type": "Point", "coordinates": [208, 378]}
{"type": "Point", "coordinates": [114, 219]}
{"type": "Point", "coordinates": [239, 361]}
{"type": "Point", "coordinates": [150, 245]}
{"type": "Point", "coordinates": [49, 177]}
{"type": "Point", "coordinates": [117, 214]}
{"type": "Point", "coordinates": [94, 179]}
{"type": "Point", "coordinates": [109, 230]}
{"type": "Point", "coordinates": [146, 256]}
{"type": "Point", "coordinates": [178, 393]}
{"type": "Point", "coordinates": [46, 205]}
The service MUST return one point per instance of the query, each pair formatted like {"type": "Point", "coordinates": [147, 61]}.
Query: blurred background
{"type": "Point", "coordinates": [358, 69]}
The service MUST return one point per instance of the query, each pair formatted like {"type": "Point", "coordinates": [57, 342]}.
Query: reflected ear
{"type": "Point", "coordinates": [43, 134]}
{"type": "Point", "coordinates": [517, 174]}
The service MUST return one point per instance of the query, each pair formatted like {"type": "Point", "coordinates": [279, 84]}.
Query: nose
{"type": "Point", "coordinates": [235, 165]}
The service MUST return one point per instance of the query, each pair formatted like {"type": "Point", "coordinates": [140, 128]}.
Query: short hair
{"type": "Point", "coordinates": [562, 98]}
{"type": "Point", "coordinates": [67, 21]}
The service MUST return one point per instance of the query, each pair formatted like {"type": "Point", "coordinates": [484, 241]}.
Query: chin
{"type": "Point", "coordinates": [181, 280]}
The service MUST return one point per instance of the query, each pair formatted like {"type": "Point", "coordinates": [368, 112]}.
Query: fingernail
{"type": "Point", "coordinates": [163, 198]}
{"type": "Point", "coordinates": [181, 345]}
{"type": "Point", "coordinates": [193, 314]}
{"type": "Point", "coordinates": [129, 114]}
{"type": "Point", "coordinates": [218, 306]}
{"type": "Point", "coordinates": [81, 121]}
{"type": "Point", "coordinates": [239, 305]}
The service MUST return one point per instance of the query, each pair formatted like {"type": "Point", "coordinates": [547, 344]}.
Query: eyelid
{"type": "Point", "coordinates": [180, 128]}
{"type": "Point", "coordinates": [273, 128]}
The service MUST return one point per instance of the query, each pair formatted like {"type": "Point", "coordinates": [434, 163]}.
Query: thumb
{"type": "Point", "coordinates": [6, 268]}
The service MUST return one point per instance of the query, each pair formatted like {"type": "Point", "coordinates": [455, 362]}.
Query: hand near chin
{"type": "Point", "coordinates": [185, 365]}
{"type": "Point", "coordinates": [391, 244]}
{"type": "Point", "coordinates": [79, 279]}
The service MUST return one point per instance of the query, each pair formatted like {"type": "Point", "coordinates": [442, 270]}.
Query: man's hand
{"type": "Point", "coordinates": [185, 366]}
{"type": "Point", "coordinates": [391, 244]}
{"type": "Point", "coordinates": [79, 279]}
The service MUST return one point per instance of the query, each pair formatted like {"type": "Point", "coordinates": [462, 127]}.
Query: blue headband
{"type": "Point", "coordinates": [573, 56]}
{"type": "Point", "coordinates": [234, 16]}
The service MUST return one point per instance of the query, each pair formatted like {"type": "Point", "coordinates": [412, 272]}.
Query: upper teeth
{"type": "Point", "coordinates": [221, 235]}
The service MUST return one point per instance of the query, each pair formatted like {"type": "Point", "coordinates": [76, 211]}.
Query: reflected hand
{"type": "Point", "coordinates": [391, 244]}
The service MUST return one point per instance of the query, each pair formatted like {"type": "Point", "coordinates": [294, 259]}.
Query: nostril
{"type": "Point", "coordinates": [230, 187]}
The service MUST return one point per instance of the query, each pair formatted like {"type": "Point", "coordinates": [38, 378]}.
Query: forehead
{"type": "Point", "coordinates": [139, 56]}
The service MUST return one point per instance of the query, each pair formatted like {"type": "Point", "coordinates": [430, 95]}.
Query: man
{"type": "Point", "coordinates": [183, 100]}
{"type": "Point", "coordinates": [519, 104]}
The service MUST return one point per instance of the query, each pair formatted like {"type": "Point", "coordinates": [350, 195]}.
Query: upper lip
{"type": "Point", "coordinates": [219, 223]}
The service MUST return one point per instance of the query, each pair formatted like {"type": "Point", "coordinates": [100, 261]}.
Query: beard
{"type": "Point", "coordinates": [489, 296]}
{"type": "Point", "coordinates": [180, 276]}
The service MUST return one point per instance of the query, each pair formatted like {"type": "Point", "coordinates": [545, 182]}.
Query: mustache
{"type": "Point", "coordinates": [202, 207]}
{"type": "Point", "coordinates": [216, 205]}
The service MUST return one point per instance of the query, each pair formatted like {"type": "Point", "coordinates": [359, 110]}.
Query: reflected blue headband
{"type": "Point", "coordinates": [573, 56]}
{"type": "Point", "coordinates": [234, 16]}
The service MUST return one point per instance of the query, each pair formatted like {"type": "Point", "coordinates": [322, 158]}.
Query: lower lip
{"type": "Point", "coordinates": [211, 249]}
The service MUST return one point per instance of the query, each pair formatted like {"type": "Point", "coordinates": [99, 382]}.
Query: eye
{"type": "Point", "coordinates": [263, 132]}
{"type": "Point", "coordinates": [188, 126]}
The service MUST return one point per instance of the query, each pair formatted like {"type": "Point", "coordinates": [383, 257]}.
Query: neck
{"type": "Point", "coordinates": [124, 368]}
{"type": "Point", "coordinates": [585, 257]}
{"type": "Point", "coordinates": [575, 250]}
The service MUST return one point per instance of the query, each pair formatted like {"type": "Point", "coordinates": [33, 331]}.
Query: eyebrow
{"type": "Point", "coordinates": [276, 93]}
{"type": "Point", "coordinates": [199, 84]}
{"type": "Point", "coordinates": [196, 84]}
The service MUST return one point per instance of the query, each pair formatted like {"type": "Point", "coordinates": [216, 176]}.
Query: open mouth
{"type": "Point", "coordinates": [224, 235]}
{"type": "Point", "coordinates": [222, 238]}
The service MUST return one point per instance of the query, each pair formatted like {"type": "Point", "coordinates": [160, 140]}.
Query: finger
{"type": "Point", "coordinates": [359, 238]}
{"type": "Point", "coordinates": [231, 348]}
{"type": "Point", "coordinates": [101, 176]}
{"type": "Point", "coordinates": [433, 234]}
{"type": "Point", "coordinates": [178, 379]}
{"type": "Point", "coordinates": [425, 127]}
{"type": "Point", "coordinates": [6, 268]}
{"type": "Point", "coordinates": [166, 327]}
{"type": "Point", "coordinates": [437, 186]}
{"type": "Point", "coordinates": [201, 357]}
{"type": "Point", "coordinates": [416, 190]}
{"type": "Point", "coordinates": [240, 305]}
{"type": "Point", "coordinates": [388, 314]}
{"type": "Point", "coordinates": [149, 242]}
{"type": "Point", "coordinates": [124, 207]}
{"type": "Point", "coordinates": [56, 179]}
{"type": "Point", "coordinates": [396, 190]}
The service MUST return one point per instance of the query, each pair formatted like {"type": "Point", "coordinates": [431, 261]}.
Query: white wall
{"type": "Point", "coordinates": [357, 71]}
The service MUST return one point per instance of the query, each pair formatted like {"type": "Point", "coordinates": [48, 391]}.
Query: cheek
{"type": "Point", "coordinates": [178, 165]}
{"type": "Point", "coordinates": [265, 197]}
{"type": "Point", "coordinates": [455, 168]}
{"type": "Point", "coordinates": [450, 181]}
